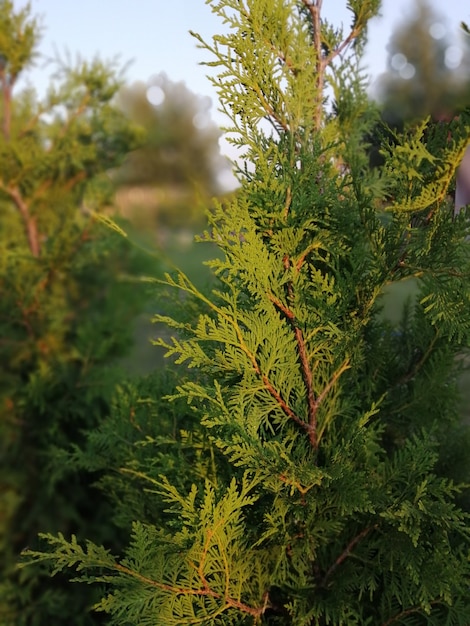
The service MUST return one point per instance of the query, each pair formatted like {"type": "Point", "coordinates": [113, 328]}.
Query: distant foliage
{"type": "Point", "coordinates": [169, 180]}
{"type": "Point", "coordinates": [427, 70]}
{"type": "Point", "coordinates": [181, 146]}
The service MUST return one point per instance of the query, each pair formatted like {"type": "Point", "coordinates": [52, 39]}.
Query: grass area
{"type": "Point", "coordinates": [179, 252]}
{"type": "Point", "coordinates": [396, 296]}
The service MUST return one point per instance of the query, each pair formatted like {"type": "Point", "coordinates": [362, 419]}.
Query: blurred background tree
{"type": "Point", "coordinates": [180, 164]}
{"type": "Point", "coordinates": [68, 296]}
{"type": "Point", "coordinates": [427, 68]}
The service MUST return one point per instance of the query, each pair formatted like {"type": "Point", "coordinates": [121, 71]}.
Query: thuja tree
{"type": "Point", "coordinates": [64, 306]}
{"type": "Point", "coordinates": [331, 494]}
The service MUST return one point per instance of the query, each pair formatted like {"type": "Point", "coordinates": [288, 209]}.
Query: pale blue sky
{"type": "Point", "coordinates": [153, 34]}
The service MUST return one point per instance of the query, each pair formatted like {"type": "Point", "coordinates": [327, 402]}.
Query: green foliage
{"type": "Point", "coordinates": [313, 479]}
{"type": "Point", "coordinates": [68, 295]}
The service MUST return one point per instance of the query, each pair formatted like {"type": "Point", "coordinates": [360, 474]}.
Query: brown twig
{"type": "Point", "coordinates": [7, 82]}
{"type": "Point", "coordinates": [346, 552]}
{"type": "Point", "coordinates": [314, 8]}
{"type": "Point", "coordinates": [79, 176]}
{"type": "Point", "coordinates": [25, 314]}
{"type": "Point", "coordinates": [29, 221]}
{"type": "Point", "coordinates": [322, 61]}
{"type": "Point", "coordinates": [311, 425]}
{"type": "Point", "coordinates": [355, 32]}
{"type": "Point", "coordinates": [343, 367]}
{"type": "Point", "coordinates": [204, 590]}
{"type": "Point", "coordinates": [283, 404]}
{"type": "Point", "coordinates": [269, 109]}
{"type": "Point", "coordinates": [313, 403]}
{"type": "Point", "coordinates": [419, 364]}
{"type": "Point", "coordinates": [410, 611]}
{"type": "Point", "coordinates": [288, 202]}
{"type": "Point", "coordinates": [300, 261]}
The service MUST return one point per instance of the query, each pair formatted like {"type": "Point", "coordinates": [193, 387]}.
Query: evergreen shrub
{"type": "Point", "coordinates": [313, 480]}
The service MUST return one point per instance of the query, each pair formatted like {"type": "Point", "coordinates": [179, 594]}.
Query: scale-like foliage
{"type": "Point", "coordinates": [67, 300]}
{"type": "Point", "coordinates": [329, 498]}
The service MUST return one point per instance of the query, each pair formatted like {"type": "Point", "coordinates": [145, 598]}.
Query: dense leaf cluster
{"type": "Point", "coordinates": [66, 306]}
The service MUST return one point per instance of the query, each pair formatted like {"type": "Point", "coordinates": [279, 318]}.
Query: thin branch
{"type": "Point", "coordinates": [79, 176]}
{"type": "Point", "coordinates": [415, 369]}
{"type": "Point", "coordinates": [312, 403]}
{"type": "Point", "coordinates": [414, 609]}
{"type": "Point", "coordinates": [25, 320]}
{"type": "Point", "coordinates": [300, 261]}
{"type": "Point", "coordinates": [28, 127]}
{"type": "Point", "coordinates": [314, 8]}
{"type": "Point", "coordinates": [343, 367]}
{"type": "Point", "coordinates": [282, 307]}
{"type": "Point", "coordinates": [288, 202]}
{"type": "Point", "coordinates": [282, 403]}
{"type": "Point", "coordinates": [205, 590]}
{"type": "Point", "coordinates": [29, 221]}
{"type": "Point", "coordinates": [284, 59]}
{"type": "Point", "coordinates": [269, 109]}
{"type": "Point", "coordinates": [346, 553]}
{"type": "Point", "coordinates": [322, 61]}
{"type": "Point", "coordinates": [163, 586]}
{"type": "Point", "coordinates": [311, 425]}
{"type": "Point", "coordinates": [355, 32]}
{"type": "Point", "coordinates": [81, 108]}
{"type": "Point", "coordinates": [6, 81]}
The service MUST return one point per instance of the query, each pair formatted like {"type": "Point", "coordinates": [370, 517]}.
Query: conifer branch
{"type": "Point", "coordinates": [282, 56]}
{"type": "Point", "coordinates": [417, 366]}
{"type": "Point", "coordinates": [402, 614]}
{"type": "Point", "coordinates": [311, 426]}
{"type": "Point", "coordinates": [205, 588]}
{"type": "Point", "coordinates": [7, 82]}
{"type": "Point", "coordinates": [343, 367]}
{"type": "Point", "coordinates": [314, 8]}
{"type": "Point", "coordinates": [29, 221]}
{"type": "Point", "coordinates": [186, 285]}
{"type": "Point", "coordinates": [323, 60]}
{"type": "Point", "coordinates": [346, 552]}
{"type": "Point", "coordinates": [447, 179]}
{"type": "Point", "coordinates": [269, 109]}
{"type": "Point", "coordinates": [288, 202]}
